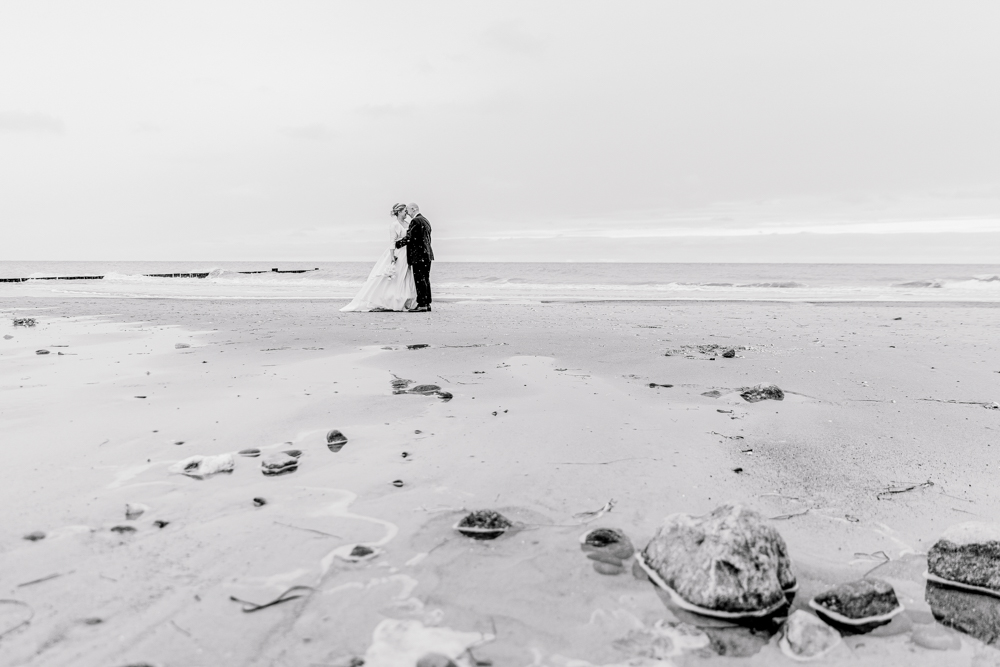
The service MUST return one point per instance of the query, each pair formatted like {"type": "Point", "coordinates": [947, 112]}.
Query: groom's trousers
{"type": "Point", "coordinates": [422, 278]}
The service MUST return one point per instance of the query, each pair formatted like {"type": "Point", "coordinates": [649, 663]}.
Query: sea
{"type": "Point", "coordinates": [515, 282]}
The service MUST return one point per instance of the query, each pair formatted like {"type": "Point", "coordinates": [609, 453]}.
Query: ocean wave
{"type": "Point", "coordinates": [975, 282]}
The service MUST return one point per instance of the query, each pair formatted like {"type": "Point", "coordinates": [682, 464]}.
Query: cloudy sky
{"type": "Point", "coordinates": [628, 130]}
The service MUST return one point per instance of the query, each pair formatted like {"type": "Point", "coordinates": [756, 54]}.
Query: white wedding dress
{"type": "Point", "coordinates": [390, 285]}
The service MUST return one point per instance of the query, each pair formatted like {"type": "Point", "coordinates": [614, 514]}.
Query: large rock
{"type": "Point", "coordinates": [972, 613]}
{"type": "Point", "coordinates": [968, 553]}
{"type": "Point", "coordinates": [729, 560]}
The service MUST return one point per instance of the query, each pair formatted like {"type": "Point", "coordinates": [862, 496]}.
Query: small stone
{"type": "Point", "coordinates": [278, 464]}
{"type": "Point", "coordinates": [807, 637]}
{"type": "Point", "coordinates": [335, 440]}
{"type": "Point", "coordinates": [859, 599]}
{"type": "Point", "coordinates": [360, 551]}
{"type": "Point", "coordinates": [178, 442]}
{"type": "Point", "coordinates": [34, 536]}
{"type": "Point", "coordinates": [135, 510]}
{"type": "Point", "coordinates": [42, 352]}
{"type": "Point", "coordinates": [92, 621]}
{"type": "Point", "coordinates": [397, 483]}
{"type": "Point", "coordinates": [729, 354]}
{"type": "Point", "coordinates": [763, 392]}
{"type": "Point", "coordinates": [161, 524]}
{"type": "Point", "coordinates": [417, 346]}
{"type": "Point", "coordinates": [436, 660]}
{"type": "Point", "coordinates": [968, 553]}
{"type": "Point", "coordinates": [259, 502]}
{"type": "Point", "coordinates": [122, 530]}
{"type": "Point", "coordinates": [250, 453]}
{"type": "Point", "coordinates": [424, 389]}
{"type": "Point", "coordinates": [728, 560]}
{"type": "Point", "coordinates": [297, 453]}
{"type": "Point", "coordinates": [713, 393]}
{"type": "Point", "coordinates": [936, 637]}
{"type": "Point", "coordinates": [181, 346]}
{"type": "Point", "coordinates": [483, 525]}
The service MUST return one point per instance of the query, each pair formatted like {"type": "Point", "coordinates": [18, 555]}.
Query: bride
{"type": "Point", "coordinates": [390, 285]}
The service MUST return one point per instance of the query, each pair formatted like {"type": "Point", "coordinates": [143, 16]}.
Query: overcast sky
{"type": "Point", "coordinates": [695, 131]}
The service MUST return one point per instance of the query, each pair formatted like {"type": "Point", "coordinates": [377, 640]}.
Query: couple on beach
{"type": "Point", "coordinates": [401, 278]}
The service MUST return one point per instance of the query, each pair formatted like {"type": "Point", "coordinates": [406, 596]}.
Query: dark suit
{"type": "Point", "coordinates": [419, 255]}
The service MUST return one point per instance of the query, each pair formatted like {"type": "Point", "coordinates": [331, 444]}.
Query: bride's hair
{"type": "Point", "coordinates": [396, 209]}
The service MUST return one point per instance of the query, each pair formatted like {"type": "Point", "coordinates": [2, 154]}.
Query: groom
{"type": "Point", "coordinates": [419, 256]}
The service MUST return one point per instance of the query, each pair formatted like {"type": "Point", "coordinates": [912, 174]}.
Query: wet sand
{"type": "Point", "coordinates": [552, 420]}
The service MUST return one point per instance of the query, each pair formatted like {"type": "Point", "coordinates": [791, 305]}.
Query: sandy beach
{"type": "Point", "coordinates": [884, 439]}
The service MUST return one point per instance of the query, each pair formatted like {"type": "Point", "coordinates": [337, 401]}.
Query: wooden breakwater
{"type": "Point", "coordinates": [153, 275]}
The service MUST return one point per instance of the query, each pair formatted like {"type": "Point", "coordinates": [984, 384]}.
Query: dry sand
{"type": "Point", "coordinates": [552, 418]}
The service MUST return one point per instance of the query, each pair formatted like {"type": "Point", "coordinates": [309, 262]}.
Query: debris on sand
{"type": "Point", "coordinates": [807, 638]}
{"type": "Point", "coordinates": [483, 525]}
{"type": "Point", "coordinates": [653, 385]}
{"type": "Point", "coordinates": [201, 467]}
{"type": "Point", "coordinates": [122, 530]}
{"type": "Point", "coordinates": [160, 523]}
{"type": "Point", "coordinates": [709, 350]}
{"type": "Point", "coordinates": [278, 464]}
{"type": "Point", "coordinates": [417, 346]}
{"type": "Point", "coordinates": [181, 346]}
{"type": "Point", "coordinates": [609, 548]}
{"type": "Point", "coordinates": [24, 322]}
{"type": "Point", "coordinates": [729, 561]}
{"type": "Point", "coordinates": [422, 390]}
{"type": "Point", "coordinates": [890, 491]}
{"type": "Point", "coordinates": [34, 536]}
{"type": "Point", "coordinates": [857, 607]}
{"type": "Point", "coordinates": [135, 510]}
{"type": "Point", "coordinates": [335, 440]}
{"type": "Point", "coordinates": [292, 593]}
{"type": "Point", "coordinates": [42, 352]}
{"type": "Point", "coordinates": [762, 392]}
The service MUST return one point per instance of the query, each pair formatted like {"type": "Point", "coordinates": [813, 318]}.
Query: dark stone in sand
{"type": "Point", "coordinates": [42, 352]}
{"type": "Point", "coordinates": [974, 614]}
{"type": "Point", "coordinates": [653, 385]}
{"type": "Point", "coordinates": [34, 536]}
{"type": "Point", "coordinates": [92, 621]}
{"type": "Point", "coordinates": [436, 660]}
{"type": "Point", "coordinates": [360, 551]}
{"type": "Point", "coordinates": [445, 396]}
{"type": "Point", "coordinates": [609, 548]}
{"type": "Point", "coordinates": [729, 354]}
{"type": "Point", "coordinates": [424, 389]}
{"type": "Point", "coordinates": [483, 525]}
{"type": "Point", "coordinates": [727, 560]}
{"type": "Point", "coordinates": [161, 524]}
{"type": "Point", "coordinates": [293, 452]}
{"type": "Point", "coordinates": [398, 483]}
{"type": "Point", "coordinates": [857, 600]}
{"type": "Point", "coordinates": [763, 392]}
{"type": "Point", "coordinates": [335, 440]}
{"type": "Point", "coordinates": [252, 453]}
{"type": "Point", "coordinates": [122, 530]}
{"type": "Point", "coordinates": [278, 464]}
{"type": "Point", "coordinates": [259, 502]}
{"type": "Point", "coordinates": [400, 383]}
{"type": "Point", "coordinates": [418, 346]}
{"type": "Point", "coordinates": [968, 553]}
{"type": "Point", "coordinates": [178, 442]}
{"type": "Point", "coordinates": [714, 393]}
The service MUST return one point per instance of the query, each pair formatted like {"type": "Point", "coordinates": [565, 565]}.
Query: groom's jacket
{"type": "Point", "coordinates": [417, 241]}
